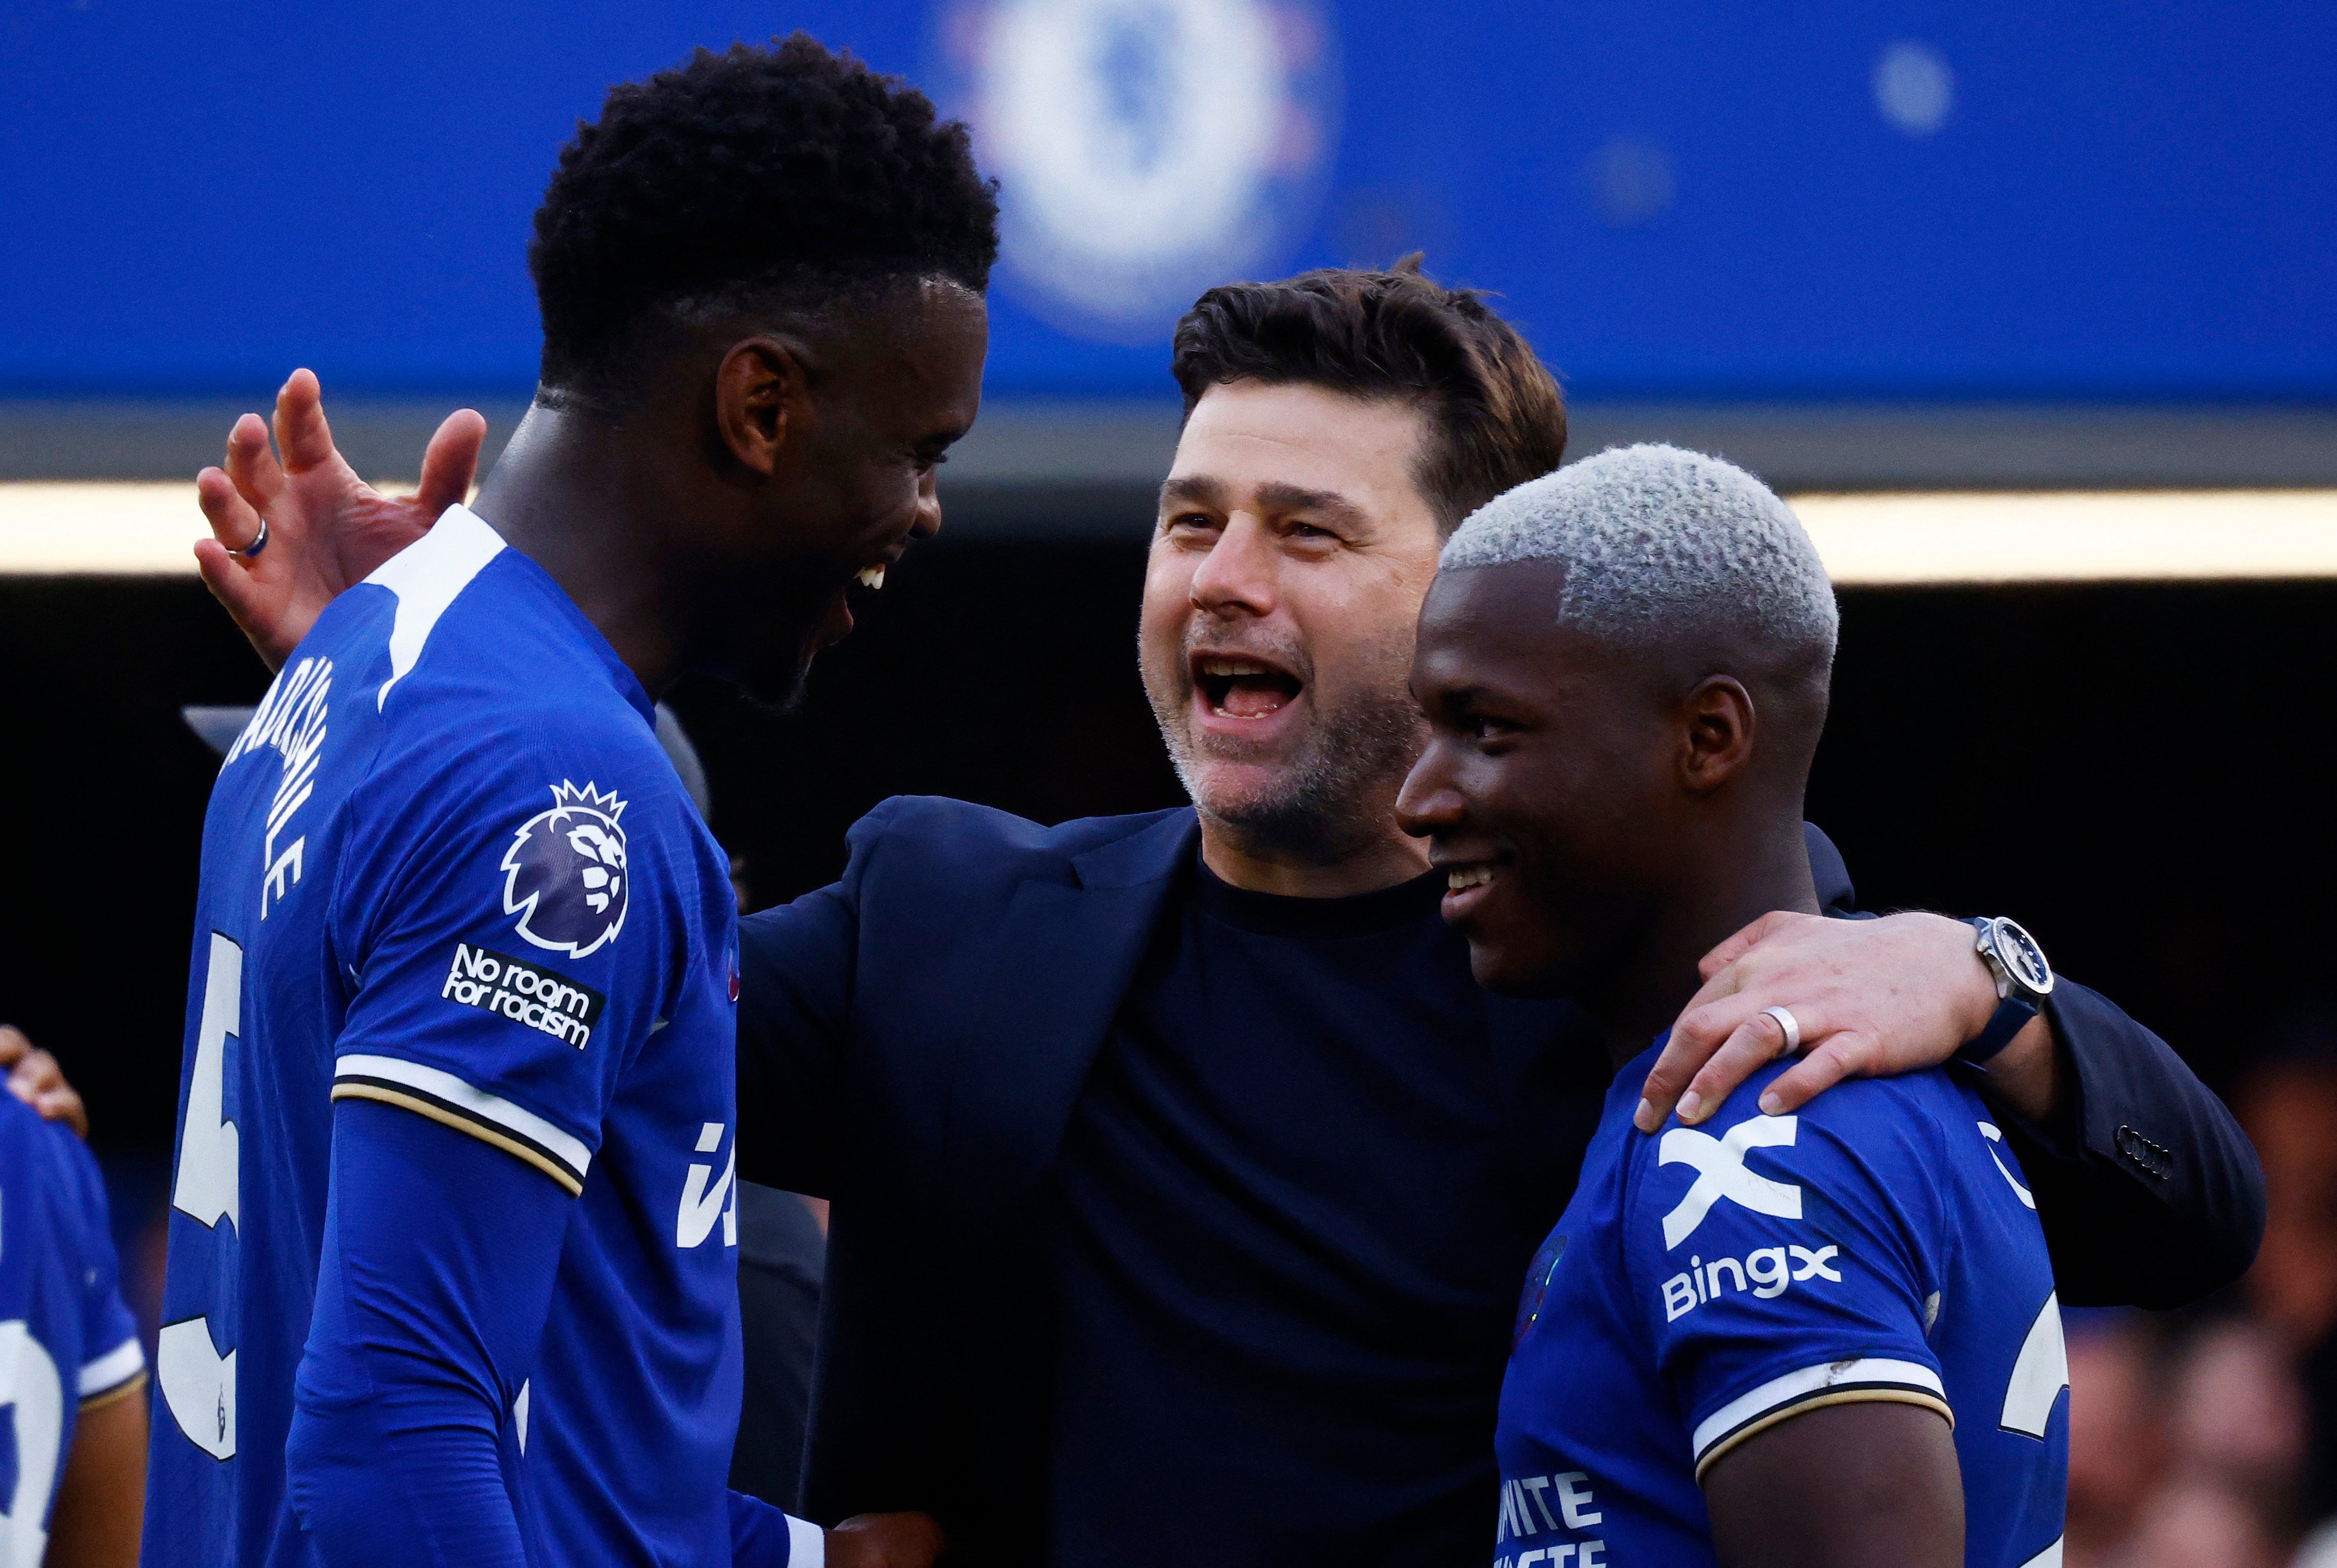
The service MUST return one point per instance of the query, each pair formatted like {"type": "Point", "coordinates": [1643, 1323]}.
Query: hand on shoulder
{"type": "Point", "coordinates": [1869, 999]}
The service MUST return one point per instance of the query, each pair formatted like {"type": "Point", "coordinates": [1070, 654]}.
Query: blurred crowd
{"type": "Point", "coordinates": [2208, 1439]}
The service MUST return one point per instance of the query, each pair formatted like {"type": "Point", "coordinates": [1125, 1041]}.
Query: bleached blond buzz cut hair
{"type": "Point", "coordinates": [1655, 541]}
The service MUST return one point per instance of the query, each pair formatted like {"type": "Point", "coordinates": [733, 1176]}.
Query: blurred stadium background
{"type": "Point", "coordinates": [2033, 309]}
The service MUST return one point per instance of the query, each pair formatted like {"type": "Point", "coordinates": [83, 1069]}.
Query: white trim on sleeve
{"type": "Point", "coordinates": [807, 1543]}
{"type": "Point", "coordinates": [444, 1098]}
{"type": "Point", "coordinates": [113, 1369]}
{"type": "Point", "coordinates": [1866, 1374]}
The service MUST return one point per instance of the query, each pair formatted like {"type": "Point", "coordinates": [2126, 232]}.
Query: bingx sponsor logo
{"type": "Point", "coordinates": [1720, 1173]}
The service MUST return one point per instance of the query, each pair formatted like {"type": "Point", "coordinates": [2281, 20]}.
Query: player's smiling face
{"type": "Point", "coordinates": [897, 384]}
{"type": "Point", "coordinates": [1287, 566]}
{"type": "Point", "coordinates": [1543, 785]}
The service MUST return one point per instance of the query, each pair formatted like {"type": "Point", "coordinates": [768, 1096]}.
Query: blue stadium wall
{"type": "Point", "coordinates": [2092, 202]}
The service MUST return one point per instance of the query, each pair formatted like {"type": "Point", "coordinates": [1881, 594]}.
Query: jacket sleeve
{"type": "Point", "coordinates": [796, 966]}
{"type": "Point", "coordinates": [2150, 1195]}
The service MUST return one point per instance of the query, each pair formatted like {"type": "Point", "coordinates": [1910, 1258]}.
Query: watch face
{"type": "Point", "coordinates": [2020, 955]}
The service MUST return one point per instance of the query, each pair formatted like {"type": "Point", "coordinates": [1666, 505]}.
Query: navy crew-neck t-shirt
{"type": "Point", "coordinates": [1292, 1240]}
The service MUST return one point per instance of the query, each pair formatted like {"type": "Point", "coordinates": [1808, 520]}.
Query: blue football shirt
{"type": "Point", "coordinates": [448, 868]}
{"type": "Point", "coordinates": [1707, 1283]}
{"type": "Point", "coordinates": [66, 1342]}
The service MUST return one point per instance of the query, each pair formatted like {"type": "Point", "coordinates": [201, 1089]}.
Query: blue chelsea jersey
{"type": "Point", "coordinates": [448, 867]}
{"type": "Point", "coordinates": [67, 1344]}
{"type": "Point", "coordinates": [1707, 1283]}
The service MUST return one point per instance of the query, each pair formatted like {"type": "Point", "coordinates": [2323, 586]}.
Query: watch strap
{"type": "Point", "coordinates": [2011, 1016]}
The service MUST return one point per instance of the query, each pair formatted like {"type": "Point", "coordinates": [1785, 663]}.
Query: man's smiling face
{"type": "Point", "coordinates": [899, 383]}
{"type": "Point", "coordinates": [1546, 786]}
{"type": "Point", "coordinates": [1292, 548]}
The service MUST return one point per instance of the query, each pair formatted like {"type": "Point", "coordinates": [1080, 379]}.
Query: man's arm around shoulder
{"type": "Point", "coordinates": [2150, 1193]}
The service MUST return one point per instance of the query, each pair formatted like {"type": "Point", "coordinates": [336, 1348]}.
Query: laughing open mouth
{"type": "Point", "coordinates": [1243, 687]}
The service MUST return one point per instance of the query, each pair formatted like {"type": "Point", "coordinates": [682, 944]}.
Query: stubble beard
{"type": "Point", "coordinates": [1331, 800]}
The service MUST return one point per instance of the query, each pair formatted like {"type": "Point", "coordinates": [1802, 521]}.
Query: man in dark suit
{"type": "Point", "coordinates": [1183, 1183]}
{"type": "Point", "coordinates": [1182, 1179]}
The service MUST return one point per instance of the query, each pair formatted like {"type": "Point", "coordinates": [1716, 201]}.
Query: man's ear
{"type": "Point", "coordinates": [1718, 735]}
{"type": "Point", "coordinates": [762, 399]}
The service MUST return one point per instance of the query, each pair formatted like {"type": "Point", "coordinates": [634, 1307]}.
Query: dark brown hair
{"type": "Point", "coordinates": [1496, 418]}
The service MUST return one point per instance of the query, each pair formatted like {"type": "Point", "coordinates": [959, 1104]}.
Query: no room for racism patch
{"type": "Point", "coordinates": [523, 992]}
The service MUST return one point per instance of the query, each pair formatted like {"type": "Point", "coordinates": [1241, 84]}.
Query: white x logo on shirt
{"type": "Point", "coordinates": [1720, 1173]}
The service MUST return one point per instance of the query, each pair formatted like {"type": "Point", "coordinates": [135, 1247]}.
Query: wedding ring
{"type": "Point", "coordinates": [1791, 1025]}
{"type": "Point", "coordinates": [258, 541]}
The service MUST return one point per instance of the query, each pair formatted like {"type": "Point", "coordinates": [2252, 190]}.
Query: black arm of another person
{"type": "Point", "coordinates": [2150, 1195]}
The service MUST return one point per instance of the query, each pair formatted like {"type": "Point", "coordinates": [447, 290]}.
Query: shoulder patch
{"type": "Point", "coordinates": [527, 993]}
{"type": "Point", "coordinates": [565, 874]}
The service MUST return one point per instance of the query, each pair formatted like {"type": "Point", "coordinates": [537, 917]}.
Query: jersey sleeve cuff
{"type": "Point", "coordinates": [116, 1372]}
{"type": "Point", "coordinates": [807, 1543]}
{"type": "Point", "coordinates": [1861, 1378]}
{"type": "Point", "coordinates": [444, 1098]}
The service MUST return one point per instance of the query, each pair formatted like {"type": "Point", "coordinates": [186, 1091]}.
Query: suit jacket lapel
{"type": "Point", "coordinates": [1064, 958]}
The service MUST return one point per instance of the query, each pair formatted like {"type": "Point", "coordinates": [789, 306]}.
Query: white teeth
{"type": "Point", "coordinates": [873, 577]}
{"type": "Point", "coordinates": [1461, 877]}
{"type": "Point", "coordinates": [1230, 667]}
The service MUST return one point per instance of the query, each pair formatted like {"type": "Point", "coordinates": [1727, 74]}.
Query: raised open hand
{"type": "Point", "coordinates": [324, 528]}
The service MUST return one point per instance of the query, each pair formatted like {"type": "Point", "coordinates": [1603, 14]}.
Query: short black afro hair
{"type": "Point", "coordinates": [774, 178]}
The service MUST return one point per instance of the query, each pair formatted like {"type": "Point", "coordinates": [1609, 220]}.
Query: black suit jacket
{"type": "Point", "coordinates": [912, 1040]}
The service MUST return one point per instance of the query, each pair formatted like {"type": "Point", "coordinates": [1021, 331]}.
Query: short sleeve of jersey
{"type": "Point", "coordinates": [113, 1363]}
{"type": "Point", "coordinates": [1780, 1263]}
{"type": "Point", "coordinates": [506, 923]}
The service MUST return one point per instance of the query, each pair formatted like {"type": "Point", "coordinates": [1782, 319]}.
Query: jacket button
{"type": "Point", "coordinates": [2153, 1160]}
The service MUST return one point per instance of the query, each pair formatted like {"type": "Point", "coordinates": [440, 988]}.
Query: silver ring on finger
{"type": "Point", "coordinates": [259, 541]}
{"type": "Point", "coordinates": [1791, 1025]}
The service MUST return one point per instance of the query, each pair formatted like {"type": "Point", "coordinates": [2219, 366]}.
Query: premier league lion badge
{"type": "Point", "coordinates": [565, 872]}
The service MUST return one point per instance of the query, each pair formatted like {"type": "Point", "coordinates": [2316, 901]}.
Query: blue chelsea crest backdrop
{"type": "Point", "coordinates": [1805, 199]}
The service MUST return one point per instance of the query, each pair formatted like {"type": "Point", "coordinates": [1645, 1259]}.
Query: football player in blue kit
{"type": "Point", "coordinates": [1827, 1337]}
{"type": "Point", "coordinates": [72, 1374]}
{"type": "Point", "coordinates": [453, 1252]}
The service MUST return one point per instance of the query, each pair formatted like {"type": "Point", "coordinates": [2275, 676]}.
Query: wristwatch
{"type": "Point", "coordinates": [2023, 980]}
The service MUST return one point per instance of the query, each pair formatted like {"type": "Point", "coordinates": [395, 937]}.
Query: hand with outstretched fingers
{"type": "Point", "coordinates": [1871, 999]}
{"type": "Point", "coordinates": [35, 1077]}
{"type": "Point", "coordinates": [318, 527]}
